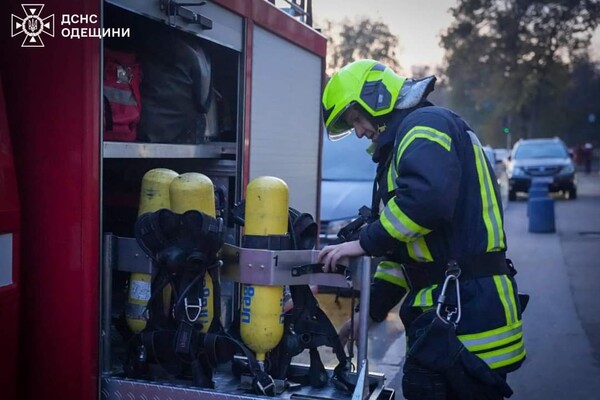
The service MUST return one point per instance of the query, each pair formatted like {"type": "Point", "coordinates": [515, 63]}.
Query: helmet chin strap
{"type": "Point", "coordinates": [380, 122]}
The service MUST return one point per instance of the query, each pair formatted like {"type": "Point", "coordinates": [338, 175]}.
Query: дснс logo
{"type": "Point", "coordinates": [32, 25]}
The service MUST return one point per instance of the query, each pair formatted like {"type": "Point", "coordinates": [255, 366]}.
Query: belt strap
{"type": "Point", "coordinates": [422, 275]}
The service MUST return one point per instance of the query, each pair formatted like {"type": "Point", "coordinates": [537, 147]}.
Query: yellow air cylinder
{"type": "Point", "coordinates": [154, 195]}
{"type": "Point", "coordinates": [195, 191]}
{"type": "Point", "coordinates": [261, 322]}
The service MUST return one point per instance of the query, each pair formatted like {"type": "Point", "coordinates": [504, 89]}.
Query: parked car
{"type": "Point", "coordinates": [501, 154]}
{"type": "Point", "coordinates": [544, 160]}
{"type": "Point", "coordinates": [347, 184]}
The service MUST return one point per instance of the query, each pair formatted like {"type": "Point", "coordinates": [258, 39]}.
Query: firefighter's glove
{"type": "Point", "coordinates": [435, 348]}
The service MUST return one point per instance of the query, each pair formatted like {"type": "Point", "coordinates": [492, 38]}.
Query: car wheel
{"type": "Point", "coordinates": [572, 193]}
{"type": "Point", "coordinates": [512, 195]}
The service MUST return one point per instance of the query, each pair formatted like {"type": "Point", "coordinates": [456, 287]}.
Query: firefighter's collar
{"type": "Point", "coordinates": [414, 92]}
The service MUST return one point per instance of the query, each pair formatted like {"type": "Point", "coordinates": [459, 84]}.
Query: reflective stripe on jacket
{"type": "Point", "coordinates": [439, 187]}
{"type": "Point", "coordinates": [442, 202]}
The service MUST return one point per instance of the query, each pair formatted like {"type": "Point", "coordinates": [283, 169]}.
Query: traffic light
{"type": "Point", "coordinates": [505, 124]}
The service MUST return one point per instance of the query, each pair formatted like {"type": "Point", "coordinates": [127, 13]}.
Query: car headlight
{"type": "Point", "coordinates": [333, 227]}
{"type": "Point", "coordinates": [567, 169]}
{"type": "Point", "coordinates": [517, 171]}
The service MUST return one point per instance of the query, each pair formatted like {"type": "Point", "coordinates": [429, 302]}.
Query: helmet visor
{"type": "Point", "coordinates": [338, 128]}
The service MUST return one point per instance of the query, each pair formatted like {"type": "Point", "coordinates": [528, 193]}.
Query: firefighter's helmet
{"type": "Point", "coordinates": [368, 83]}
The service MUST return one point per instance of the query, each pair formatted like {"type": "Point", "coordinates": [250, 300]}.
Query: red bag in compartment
{"type": "Point", "coordinates": [122, 103]}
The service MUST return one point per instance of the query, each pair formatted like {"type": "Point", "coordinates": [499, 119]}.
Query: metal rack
{"type": "Point", "coordinates": [162, 150]}
{"type": "Point", "coordinates": [250, 266]}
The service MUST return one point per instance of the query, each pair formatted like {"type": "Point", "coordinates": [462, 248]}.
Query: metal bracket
{"type": "Point", "coordinates": [282, 267]}
{"type": "Point", "coordinates": [124, 254]}
{"type": "Point", "coordinates": [174, 8]}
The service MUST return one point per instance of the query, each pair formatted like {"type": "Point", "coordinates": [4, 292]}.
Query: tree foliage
{"type": "Point", "coordinates": [516, 59]}
{"type": "Point", "coordinates": [363, 38]}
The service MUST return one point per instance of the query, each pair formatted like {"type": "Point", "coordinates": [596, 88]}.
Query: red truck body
{"type": "Point", "coordinates": [53, 103]}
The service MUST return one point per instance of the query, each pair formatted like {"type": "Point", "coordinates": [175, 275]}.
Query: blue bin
{"type": "Point", "coordinates": [541, 215]}
{"type": "Point", "coordinates": [536, 190]}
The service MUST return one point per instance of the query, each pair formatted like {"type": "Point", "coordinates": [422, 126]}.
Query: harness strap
{"type": "Point", "coordinates": [271, 242]}
{"type": "Point", "coordinates": [422, 275]}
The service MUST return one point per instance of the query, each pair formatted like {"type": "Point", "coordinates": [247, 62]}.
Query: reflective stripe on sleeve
{"type": "Point", "coordinates": [423, 132]}
{"type": "Point", "coordinates": [489, 202]}
{"type": "Point", "coordinates": [392, 272]}
{"type": "Point", "coordinates": [392, 175]}
{"type": "Point", "coordinates": [394, 220]}
{"type": "Point", "coordinates": [399, 225]}
{"type": "Point", "coordinates": [418, 250]}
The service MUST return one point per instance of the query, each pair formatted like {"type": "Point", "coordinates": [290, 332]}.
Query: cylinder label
{"type": "Point", "coordinates": [246, 303]}
{"type": "Point", "coordinates": [140, 290]}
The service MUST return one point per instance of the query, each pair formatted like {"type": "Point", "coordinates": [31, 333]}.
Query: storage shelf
{"type": "Point", "coordinates": [227, 29]}
{"type": "Point", "coordinates": [160, 150]}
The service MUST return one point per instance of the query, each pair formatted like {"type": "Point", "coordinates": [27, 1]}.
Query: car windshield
{"type": "Point", "coordinates": [540, 150]}
{"type": "Point", "coordinates": [501, 154]}
{"type": "Point", "coordinates": [347, 160]}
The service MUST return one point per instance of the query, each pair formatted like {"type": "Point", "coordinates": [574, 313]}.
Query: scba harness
{"type": "Point", "coordinates": [306, 326]}
{"type": "Point", "coordinates": [184, 248]}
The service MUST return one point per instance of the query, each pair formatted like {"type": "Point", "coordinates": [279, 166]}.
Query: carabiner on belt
{"type": "Point", "coordinates": [452, 312]}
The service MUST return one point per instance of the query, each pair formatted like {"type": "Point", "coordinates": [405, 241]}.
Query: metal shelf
{"type": "Point", "coordinates": [227, 27]}
{"type": "Point", "coordinates": [161, 150]}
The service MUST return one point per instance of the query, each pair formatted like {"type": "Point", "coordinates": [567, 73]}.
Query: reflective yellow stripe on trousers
{"type": "Point", "coordinates": [502, 346]}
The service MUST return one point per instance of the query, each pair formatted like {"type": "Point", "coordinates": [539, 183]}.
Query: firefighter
{"type": "Point", "coordinates": [440, 232]}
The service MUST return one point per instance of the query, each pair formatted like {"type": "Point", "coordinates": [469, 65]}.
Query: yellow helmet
{"type": "Point", "coordinates": [368, 83]}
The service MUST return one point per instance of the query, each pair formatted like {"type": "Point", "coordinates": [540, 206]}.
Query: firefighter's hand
{"type": "Point", "coordinates": [330, 256]}
{"type": "Point", "coordinates": [346, 329]}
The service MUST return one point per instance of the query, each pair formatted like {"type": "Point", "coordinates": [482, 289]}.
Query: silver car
{"type": "Point", "coordinates": [347, 184]}
{"type": "Point", "coordinates": [544, 160]}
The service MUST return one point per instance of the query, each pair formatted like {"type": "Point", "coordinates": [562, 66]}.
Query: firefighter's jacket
{"type": "Point", "coordinates": [440, 201]}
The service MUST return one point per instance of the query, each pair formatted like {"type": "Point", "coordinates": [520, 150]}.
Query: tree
{"type": "Point", "coordinates": [348, 41]}
{"type": "Point", "coordinates": [514, 58]}
{"type": "Point", "coordinates": [582, 102]}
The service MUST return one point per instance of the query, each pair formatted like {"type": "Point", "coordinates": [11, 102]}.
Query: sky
{"type": "Point", "coordinates": [418, 24]}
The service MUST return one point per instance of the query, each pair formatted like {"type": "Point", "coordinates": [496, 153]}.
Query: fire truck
{"type": "Point", "coordinates": [69, 196]}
